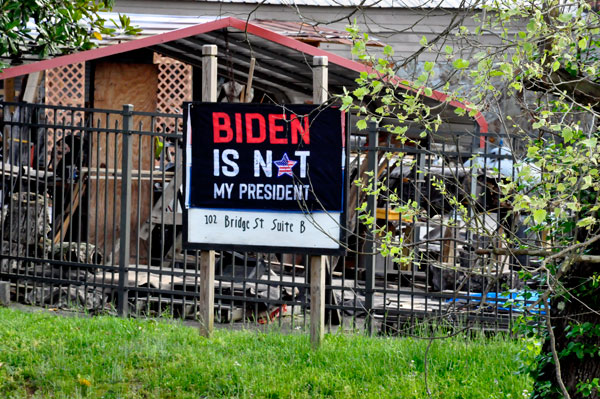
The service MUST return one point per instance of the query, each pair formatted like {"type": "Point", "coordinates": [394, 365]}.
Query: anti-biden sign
{"type": "Point", "coordinates": [264, 177]}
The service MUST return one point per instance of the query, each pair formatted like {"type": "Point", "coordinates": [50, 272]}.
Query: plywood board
{"type": "Point", "coordinates": [116, 84]}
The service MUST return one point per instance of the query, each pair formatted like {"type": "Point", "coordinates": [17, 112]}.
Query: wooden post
{"type": "Point", "coordinates": [317, 263]}
{"type": "Point", "coordinates": [30, 92]}
{"type": "Point", "coordinates": [4, 293]}
{"type": "Point", "coordinates": [317, 300]}
{"type": "Point", "coordinates": [320, 80]}
{"type": "Point", "coordinates": [209, 73]}
{"type": "Point", "coordinates": [207, 258]}
{"type": "Point", "coordinates": [207, 293]}
{"type": "Point", "coordinates": [9, 90]}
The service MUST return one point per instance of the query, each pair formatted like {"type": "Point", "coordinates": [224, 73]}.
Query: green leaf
{"type": "Point", "coordinates": [586, 222]}
{"type": "Point", "coordinates": [539, 215]}
{"type": "Point", "coordinates": [423, 41]}
{"type": "Point", "coordinates": [531, 26]}
{"type": "Point", "coordinates": [360, 92]}
{"type": "Point", "coordinates": [533, 151]}
{"type": "Point", "coordinates": [565, 17]}
{"type": "Point", "coordinates": [590, 143]}
{"type": "Point", "coordinates": [11, 25]}
{"type": "Point", "coordinates": [361, 124]}
{"type": "Point", "coordinates": [555, 66]}
{"type": "Point", "coordinates": [460, 63]}
{"type": "Point", "coordinates": [346, 102]}
{"type": "Point", "coordinates": [567, 134]}
{"type": "Point", "coordinates": [428, 66]}
{"type": "Point", "coordinates": [460, 111]}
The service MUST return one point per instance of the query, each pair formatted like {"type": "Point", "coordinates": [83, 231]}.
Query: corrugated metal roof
{"type": "Point", "coordinates": [360, 3]}
{"type": "Point", "coordinates": [310, 34]}
{"type": "Point", "coordinates": [152, 24]}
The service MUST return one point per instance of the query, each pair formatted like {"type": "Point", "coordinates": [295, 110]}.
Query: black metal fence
{"type": "Point", "coordinates": [91, 219]}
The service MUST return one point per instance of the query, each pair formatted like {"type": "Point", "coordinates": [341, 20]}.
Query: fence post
{"type": "Point", "coordinates": [317, 262]}
{"type": "Point", "coordinates": [124, 236]}
{"type": "Point", "coordinates": [371, 245]}
{"type": "Point", "coordinates": [206, 303]}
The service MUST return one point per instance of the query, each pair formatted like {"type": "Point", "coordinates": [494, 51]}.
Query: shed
{"type": "Point", "coordinates": [140, 72]}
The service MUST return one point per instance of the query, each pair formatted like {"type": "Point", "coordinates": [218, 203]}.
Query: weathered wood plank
{"type": "Point", "coordinates": [117, 84]}
{"type": "Point", "coordinates": [317, 300]}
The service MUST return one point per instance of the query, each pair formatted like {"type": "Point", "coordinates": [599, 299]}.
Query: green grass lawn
{"type": "Point", "coordinates": [43, 355]}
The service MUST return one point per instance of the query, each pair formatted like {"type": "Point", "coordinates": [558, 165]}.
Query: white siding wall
{"type": "Point", "coordinates": [400, 28]}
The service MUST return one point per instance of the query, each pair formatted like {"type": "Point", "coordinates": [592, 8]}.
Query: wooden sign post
{"type": "Point", "coordinates": [207, 258]}
{"type": "Point", "coordinates": [317, 263]}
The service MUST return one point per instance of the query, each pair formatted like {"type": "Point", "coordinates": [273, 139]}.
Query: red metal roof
{"type": "Point", "coordinates": [287, 67]}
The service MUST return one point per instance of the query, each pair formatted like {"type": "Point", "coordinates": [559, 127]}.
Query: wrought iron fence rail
{"type": "Point", "coordinates": [74, 173]}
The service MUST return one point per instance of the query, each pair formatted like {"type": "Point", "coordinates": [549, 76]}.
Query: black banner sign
{"type": "Point", "coordinates": [265, 157]}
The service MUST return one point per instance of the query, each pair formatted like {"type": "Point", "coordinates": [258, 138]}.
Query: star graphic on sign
{"type": "Point", "coordinates": [285, 165]}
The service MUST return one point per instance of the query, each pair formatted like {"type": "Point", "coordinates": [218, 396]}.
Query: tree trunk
{"type": "Point", "coordinates": [578, 350]}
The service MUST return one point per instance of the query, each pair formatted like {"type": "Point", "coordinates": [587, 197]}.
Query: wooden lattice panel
{"type": "Point", "coordinates": [64, 86]}
{"type": "Point", "coordinates": [174, 87]}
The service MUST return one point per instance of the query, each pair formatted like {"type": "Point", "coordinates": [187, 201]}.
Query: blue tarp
{"type": "Point", "coordinates": [516, 301]}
